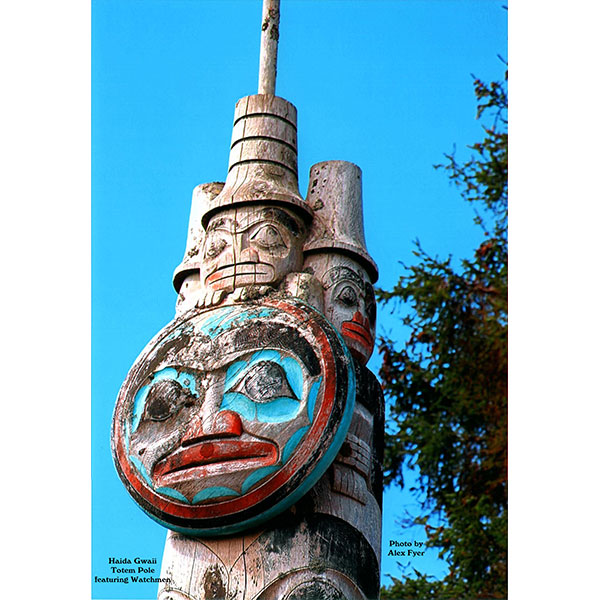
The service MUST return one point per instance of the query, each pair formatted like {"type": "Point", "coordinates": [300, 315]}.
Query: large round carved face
{"type": "Point", "coordinates": [348, 301]}
{"type": "Point", "coordinates": [231, 414]}
{"type": "Point", "coordinates": [251, 245]}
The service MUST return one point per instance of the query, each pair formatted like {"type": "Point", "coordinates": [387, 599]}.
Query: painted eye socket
{"type": "Point", "coordinates": [268, 238]}
{"type": "Point", "coordinates": [214, 247]}
{"type": "Point", "coordinates": [348, 296]}
{"type": "Point", "coordinates": [265, 381]}
{"type": "Point", "coordinates": [371, 309]}
{"type": "Point", "coordinates": [371, 312]}
{"type": "Point", "coordinates": [164, 399]}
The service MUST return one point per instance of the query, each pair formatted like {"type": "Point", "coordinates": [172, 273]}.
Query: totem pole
{"type": "Point", "coordinates": [250, 426]}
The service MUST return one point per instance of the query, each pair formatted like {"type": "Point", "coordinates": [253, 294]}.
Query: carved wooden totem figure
{"type": "Point", "coordinates": [187, 277]}
{"type": "Point", "coordinates": [336, 254]}
{"type": "Point", "coordinates": [230, 415]}
{"type": "Point", "coordinates": [249, 426]}
{"type": "Point", "coordinates": [257, 225]}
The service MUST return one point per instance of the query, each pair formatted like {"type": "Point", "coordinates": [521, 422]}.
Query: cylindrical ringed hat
{"type": "Point", "coordinates": [263, 160]}
{"type": "Point", "coordinates": [192, 261]}
{"type": "Point", "coordinates": [335, 196]}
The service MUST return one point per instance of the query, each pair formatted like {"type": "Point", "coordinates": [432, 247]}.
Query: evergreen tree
{"type": "Point", "coordinates": [447, 387]}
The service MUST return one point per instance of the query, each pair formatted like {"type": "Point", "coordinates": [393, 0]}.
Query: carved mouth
{"type": "Point", "coordinates": [212, 458]}
{"type": "Point", "coordinates": [358, 333]}
{"type": "Point", "coordinates": [244, 273]}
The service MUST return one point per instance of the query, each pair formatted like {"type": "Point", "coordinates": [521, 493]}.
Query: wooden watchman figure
{"type": "Point", "coordinates": [249, 426]}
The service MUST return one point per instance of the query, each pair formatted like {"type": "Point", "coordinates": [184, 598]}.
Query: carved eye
{"type": "Point", "coordinates": [268, 238]}
{"type": "Point", "coordinates": [215, 247]}
{"type": "Point", "coordinates": [371, 312]}
{"type": "Point", "coordinates": [164, 399]}
{"type": "Point", "coordinates": [265, 380]}
{"type": "Point", "coordinates": [348, 296]}
{"type": "Point", "coordinates": [371, 309]}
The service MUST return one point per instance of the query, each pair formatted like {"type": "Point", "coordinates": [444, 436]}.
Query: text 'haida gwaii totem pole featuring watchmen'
{"type": "Point", "coordinates": [249, 426]}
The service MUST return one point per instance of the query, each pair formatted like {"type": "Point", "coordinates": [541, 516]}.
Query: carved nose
{"type": "Point", "coordinates": [225, 424]}
{"type": "Point", "coordinates": [249, 255]}
{"type": "Point", "coordinates": [358, 318]}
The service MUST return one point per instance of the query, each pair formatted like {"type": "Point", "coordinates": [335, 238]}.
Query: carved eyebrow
{"type": "Point", "coordinates": [339, 273]}
{"type": "Point", "coordinates": [277, 215]}
{"type": "Point", "coordinates": [221, 222]}
{"type": "Point", "coordinates": [253, 336]}
{"type": "Point", "coordinates": [267, 214]}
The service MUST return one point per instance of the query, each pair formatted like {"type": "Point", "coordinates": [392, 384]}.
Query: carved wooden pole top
{"type": "Point", "coordinates": [268, 47]}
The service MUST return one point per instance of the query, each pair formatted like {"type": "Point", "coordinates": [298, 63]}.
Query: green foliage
{"type": "Point", "coordinates": [447, 387]}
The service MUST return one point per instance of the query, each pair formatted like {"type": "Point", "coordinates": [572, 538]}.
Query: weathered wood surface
{"type": "Point", "coordinates": [348, 299]}
{"type": "Point", "coordinates": [309, 556]}
{"type": "Point", "coordinates": [268, 47]}
{"type": "Point", "coordinates": [326, 546]}
{"type": "Point", "coordinates": [249, 425]}
{"type": "Point", "coordinates": [335, 195]}
{"type": "Point", "coordinates": [263, 161]}
{"type": "Point", "coordinates": [195, 439]}
{"type": "Point", "coordinates": [186, 278]}
{"type": "Point", "coordinates": [256, 247]}
{"type": "Point", "coordinates": [251, 245]}
{"type": "Point", "coordinates": [230, 415]}
{"type": "Point", "coordinates": [335, 253]}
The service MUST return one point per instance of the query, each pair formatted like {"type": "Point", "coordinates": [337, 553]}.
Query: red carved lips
{"type": "Point", "coordinates": [247, 272]}
{"type": "Point", "coordinates": [213, 457]}
{"type": "Point", "coordinates": [357, 332]}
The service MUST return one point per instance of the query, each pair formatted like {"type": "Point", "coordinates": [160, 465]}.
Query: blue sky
{"type": "Point", "coordinates": [386, 85]}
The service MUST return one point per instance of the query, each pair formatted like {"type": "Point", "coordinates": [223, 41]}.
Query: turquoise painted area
{"type": "Point", "coordinates": [257, 475]}
{"type": "Point", "coordinates": [293, 369]}
{"type": "Point", "coordinates": [278, 410]}
{"type": "Point", "coordinates": [209, 324]}
{"type": "Point", "coordinates": [302, 489]}
{"type": "Point", "coordinates": [240, 404]}
{"type": "Point", "coordinates": [214, 492]}
{"type": "Point", "coordinates": [185, 379]}
{"type": "Point", "coordinates": [167, 491]}
{"type": "Point", "coordinates": [126, 436]}
{"type": "Point", "coordinates": [312, 398]}
{"type": "Point", "coordinates": [267, 354]}
{"type": "Point", "coordinates": [138, 408]}
{"type": "Point", "coordinates": [221, 319]}
{"type": "Point", "coordinates": [141, 469]}
{"type": "Point", "coordinates": [294, 375]}
{"type": "Point", "coordinates": [238, 369]}
{"type": "Point", "coordinates": [292, 443]}
{"type": "Point", "coordinates": [241, 317]}
{"type": "Point", "coordinates": [231, 377]}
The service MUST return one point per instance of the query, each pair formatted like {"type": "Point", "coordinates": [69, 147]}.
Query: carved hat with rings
{"type": "Point", "coordinates": [263, 160]}
{"type": "Point", "coordinates": [192, 261]}
{"type": "Point", "coordinates": [335, 196]}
